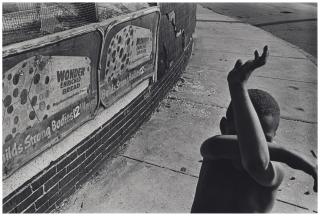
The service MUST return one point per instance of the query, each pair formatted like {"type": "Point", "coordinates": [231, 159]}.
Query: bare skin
{"type": "Point", "coordinates": [237, 174]}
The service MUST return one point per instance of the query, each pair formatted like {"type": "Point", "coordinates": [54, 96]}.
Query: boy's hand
{"type": "Point", "coordinates": [241, 72]}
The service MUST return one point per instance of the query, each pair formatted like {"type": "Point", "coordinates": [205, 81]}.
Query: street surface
{"type": "Point", "coordinates": [293, 22]}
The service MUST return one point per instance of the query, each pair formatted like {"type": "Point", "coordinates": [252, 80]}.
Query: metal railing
{"type": "Point", "coordinates": [24, 21]}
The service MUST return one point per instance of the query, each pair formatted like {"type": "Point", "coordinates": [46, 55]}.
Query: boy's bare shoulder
{"type": "Point", "coordinates": [227, 147]}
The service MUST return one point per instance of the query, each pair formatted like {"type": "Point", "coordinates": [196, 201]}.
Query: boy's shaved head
{"type": "Point", "coordinates": [264, 105]}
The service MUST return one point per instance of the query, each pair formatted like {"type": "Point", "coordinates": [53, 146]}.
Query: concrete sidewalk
{"type": "Point", "coordinates": [157, 171]}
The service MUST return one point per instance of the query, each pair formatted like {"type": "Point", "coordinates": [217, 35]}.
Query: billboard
{"type": "Point", "coordinates": [53, 84]}
{"type": "Point", "coordinates": [47, 93]}
{"type": "Point", "coordinates": [129, 54]}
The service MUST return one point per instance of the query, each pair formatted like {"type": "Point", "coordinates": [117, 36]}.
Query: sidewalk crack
{"type": "Point", "coordinates": [298, 120]}
{"type": "Point", "coordinates": [159, 166]}
{"type": "Point", "coordinates": [189, 102]}
{"type": "Point", "coordinates": [242, 53]}
{"type": "Point", "coordinates": [277, 78]}
{"type": "Point", "coordinates": [223, 107]}
{"type": "Point", "coordinates": [284, 22]}
{"type": "Point", "coordinates": [299, 206]}
{"type": "Point", "coordinates": [220, 21]}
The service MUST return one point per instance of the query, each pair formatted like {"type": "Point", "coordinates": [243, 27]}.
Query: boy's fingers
{"type": "Point", "coordinates": [265, 51]}
{"type": "Point", "coordinates": [238, 63]}
{"type": "Point", "coordinates": [256, 55]}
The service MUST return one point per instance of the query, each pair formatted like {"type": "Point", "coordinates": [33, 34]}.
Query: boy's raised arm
{"type": "Point", "coordinates": [252, 143]}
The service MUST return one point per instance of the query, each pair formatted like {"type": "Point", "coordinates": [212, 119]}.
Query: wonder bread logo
{"type": "Point", "coordinates": [70, 79]}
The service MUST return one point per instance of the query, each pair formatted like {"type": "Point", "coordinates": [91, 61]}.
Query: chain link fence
{"type": "Point", "coordinates": [25, 21]}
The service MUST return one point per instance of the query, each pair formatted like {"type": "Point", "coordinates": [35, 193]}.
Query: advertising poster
{"type": "Point", "coordinates": [128, 55]}
{"type": "Point", "coordinates": [45, 97]}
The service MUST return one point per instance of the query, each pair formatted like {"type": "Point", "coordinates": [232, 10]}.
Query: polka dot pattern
{"type": "Point", "coordinates": [19, 103]}
{"type": "Point", "coordinates": [118, 55]}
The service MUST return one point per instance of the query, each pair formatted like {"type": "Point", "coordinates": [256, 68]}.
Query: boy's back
{"type": "Point", "coordinates": [237, 174]}
{"type": "Point", "coordinates": [245, 181]}
{"type": "Point", "coordinates": [222, 188]}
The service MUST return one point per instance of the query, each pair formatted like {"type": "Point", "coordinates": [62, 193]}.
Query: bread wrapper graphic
{"type": "Point", "coordinates": [128, 49]}
{"type": "Point", "coordinates": [36, 92]}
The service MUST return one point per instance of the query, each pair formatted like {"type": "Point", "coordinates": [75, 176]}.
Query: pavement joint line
{"type": "Point", "coordinates": [285, 21]}
{"type": "Point", "coordinates": [289, 203]}
{"type": "Point", "coordinates": [218, 21]}
{"type": "Point", "coordinates": [159, 166]}
{"type": "Point", "coordinates": [218, 36]}
{"type": "Point", "coordinates": [242, 38]}
{"type": "Point", "coordinates": [267, 77]}
{"type": "Point", "coordinates": [278, 78]}
{"type": "Point", "coordinates": [298, 120]}
{"type": "Point", "coordinates": [198, 103]}
{"type": "Point", "coordinates": [241, 53]}
{"type": "Point", "coordinates": [267, 23]}
{"type": "Point", "coordinates": [258, 24]}
{"type": "Point", "coordinates": [190, 102]}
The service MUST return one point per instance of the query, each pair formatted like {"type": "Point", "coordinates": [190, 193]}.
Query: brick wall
{"type": "Point", "coordinates": [62, 177]}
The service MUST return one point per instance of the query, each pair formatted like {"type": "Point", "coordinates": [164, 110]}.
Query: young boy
{"type": "Point", "coordinates": [237, 174]}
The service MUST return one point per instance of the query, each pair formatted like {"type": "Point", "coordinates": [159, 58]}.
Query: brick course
{"type": "Point", "coordinates": [28, 201]}
{"type": "Point", "coordinates": [54, 179]}
{"type": "Point", "coordinates": [66, 161]}
{"type": "Point", "coordinates": [15, 200]}
{"type": "Point", "coordinates": [45, 198]}
{"type": "Point", "coordinates": [44, 178]}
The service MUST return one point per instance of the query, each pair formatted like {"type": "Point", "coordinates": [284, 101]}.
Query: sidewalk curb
{"type": "Point", "coordinates": [306, 54]}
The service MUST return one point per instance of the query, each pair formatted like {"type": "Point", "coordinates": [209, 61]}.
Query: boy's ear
{"type": "Point", "coordinates": [223, 125]}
